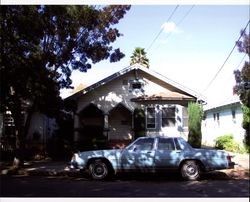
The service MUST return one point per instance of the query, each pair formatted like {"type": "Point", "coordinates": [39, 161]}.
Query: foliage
{"type": "Point", "coordinates": [242, 78]}
{"type": "Point", "coordinates": [195, 114]}
{"type": "Point", "coordinates": [139, 56]}
{"type": "Point", "coordinates": [227, 142]}
{"type": "Point", "coordinates": [139, 122]}
{"type": "Point", "coordinates": [42, 45]}
{"type": "Point", "coordinates": [246, 126]}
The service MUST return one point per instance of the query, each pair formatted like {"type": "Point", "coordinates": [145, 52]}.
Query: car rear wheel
{"type": "Point", "coordinates": [190, 170]}
{"type": "Point", "coordinates": [98, 169]}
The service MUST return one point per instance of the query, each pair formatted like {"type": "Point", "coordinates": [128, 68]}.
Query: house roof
{"type": "Point", "coordinates": [233, 100]}
{"type": "Point", "coordinates": [188, 92]}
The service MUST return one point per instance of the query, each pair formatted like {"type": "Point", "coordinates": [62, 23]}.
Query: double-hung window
{"type": "Point", "coordinates": [151, 117]}
{"type": "Point", "coordinates": [168, 117]}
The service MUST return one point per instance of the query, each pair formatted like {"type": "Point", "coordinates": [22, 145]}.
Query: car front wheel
{"type": "Point", "coordinates": [98, 169]}
{"type": "Point", "coordinates": [190, 170]}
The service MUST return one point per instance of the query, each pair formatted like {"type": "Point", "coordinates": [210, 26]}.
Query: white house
{"type": "Point", "coordinates": [107, 107]}
{"type": "Point", "coordinates": [223, 119]}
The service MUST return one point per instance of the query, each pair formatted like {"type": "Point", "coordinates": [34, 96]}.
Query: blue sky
{"type": "Point", "coordinates": [190, 52]}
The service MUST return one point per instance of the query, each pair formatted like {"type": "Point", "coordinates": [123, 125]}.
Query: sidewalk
{"type": "Point", "coordinates": [39, 168]}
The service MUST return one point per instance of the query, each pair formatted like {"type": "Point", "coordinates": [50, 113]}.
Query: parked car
{"type": "Point", "coordinates": [152, 154]}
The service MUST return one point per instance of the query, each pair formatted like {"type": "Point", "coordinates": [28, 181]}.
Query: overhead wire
{"type": "Point", "coordinates": [229, 55]}
{"type": "Point", "coordinates": [169, 18]}
{"type": "Point", "coordinates": [177, 24]}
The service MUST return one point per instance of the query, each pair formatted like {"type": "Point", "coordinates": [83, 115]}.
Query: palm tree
{"type": "Point", "coordinates": [139, 56]}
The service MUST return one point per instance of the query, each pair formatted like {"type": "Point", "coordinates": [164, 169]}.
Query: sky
{"type": "Point", "coordinates": [190, 48]}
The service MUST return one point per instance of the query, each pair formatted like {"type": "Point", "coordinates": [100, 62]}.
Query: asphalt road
{"type": "Point", "coordinates": [123, 186]}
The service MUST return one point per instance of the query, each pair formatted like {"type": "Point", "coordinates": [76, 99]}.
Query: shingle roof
{"type": "Point", "coordinates": [145, 70]}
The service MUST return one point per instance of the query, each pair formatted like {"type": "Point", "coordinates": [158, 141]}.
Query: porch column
{"type": "Point", "coordinates": [106, 125]}
{"type": "Point", "coordinates": [76, 127]}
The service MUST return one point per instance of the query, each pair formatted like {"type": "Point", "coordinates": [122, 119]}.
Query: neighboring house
{"type": "Point", "coordinates": [106, 108]}
{"type": "Point", "coordinates": [40, 131]}
{"type": "Point", "coordinates": [223, 119]}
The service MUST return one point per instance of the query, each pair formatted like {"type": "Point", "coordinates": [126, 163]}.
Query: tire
{"type": "Point", "coordinates": [99, 170]}
{"type": "Point", "coordinates": [190, 170]}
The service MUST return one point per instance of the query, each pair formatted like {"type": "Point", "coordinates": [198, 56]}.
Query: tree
{"type": "Point", "coordinates": [139, 56]}
{"type": "Point", "coordinates": [195, 114]}
{"type": "Point", "coordinates": [242, 78]}
{"type": "Point", "coordinates": [42, 45]}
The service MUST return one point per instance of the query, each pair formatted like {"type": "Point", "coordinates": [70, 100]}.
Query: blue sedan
{"type": "Point", "coordinates": [152, 154]}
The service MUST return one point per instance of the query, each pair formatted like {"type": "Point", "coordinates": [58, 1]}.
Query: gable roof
{"type": "Point", "coordinates": [231, 101]}
{"type": "Point", "coordinates": [147, 71]}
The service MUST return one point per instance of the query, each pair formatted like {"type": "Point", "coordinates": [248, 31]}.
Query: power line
{"type": "Point", "coordinates": [219, 70]}
{"type": "Point", "coordinates": [187, 13]}
{"type": "Point", "coordinates": [169, 18]}
{"type": "Point", "coordinates": [177, 24]}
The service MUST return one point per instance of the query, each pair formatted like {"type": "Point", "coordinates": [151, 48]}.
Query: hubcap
{"type": "Point", "coordinates": [99, 170]}
{"type": "Point", "coordinates": [191, 170]}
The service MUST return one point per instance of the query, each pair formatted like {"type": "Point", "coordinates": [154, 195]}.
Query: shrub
{"type": "Point", "coordinates": [226, 142]}
{"type": "Point", "coordinates": [195, 114]}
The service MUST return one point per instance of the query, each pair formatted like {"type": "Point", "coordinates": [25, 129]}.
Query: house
{"type": "Point", "coordinates": [40, 132]}
{"type": "Point", "coordinates": [108, 109]}
{"type": "Point", "coordinates": [222, 119]}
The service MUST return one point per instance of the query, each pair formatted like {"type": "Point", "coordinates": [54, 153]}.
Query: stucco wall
{"type": "Point", "coordinates": [212, 128]}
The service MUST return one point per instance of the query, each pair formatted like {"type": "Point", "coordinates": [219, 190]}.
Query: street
{"type": "Point", "coordinates": [123, 186]}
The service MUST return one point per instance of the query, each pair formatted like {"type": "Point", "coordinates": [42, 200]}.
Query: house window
{"type": "Point", "coordinates": [218, 118]}
{"type": "Point", "coordinates": [233, 116]}
{"type": "Point", "coordinates": [151, 117]}
{"type": "Point", "coordinates": [168, 116]}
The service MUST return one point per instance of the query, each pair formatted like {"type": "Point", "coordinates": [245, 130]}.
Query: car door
{"type": "Point", "coordinates": [166, 154]}
{"type": "Point", "coordinates": [139, 156]}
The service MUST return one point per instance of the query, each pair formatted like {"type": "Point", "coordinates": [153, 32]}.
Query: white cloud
{"type": "Point", "coordinates": [170, 27]}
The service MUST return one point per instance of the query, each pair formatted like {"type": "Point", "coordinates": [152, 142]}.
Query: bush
{"type": "Point", "coordinates": [226, 142]}
{"type": "Point", "coordinates": [195, 114]}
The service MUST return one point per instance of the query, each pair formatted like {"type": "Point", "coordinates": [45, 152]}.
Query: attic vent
{"type": "Point", "coordinates": [136, 85]}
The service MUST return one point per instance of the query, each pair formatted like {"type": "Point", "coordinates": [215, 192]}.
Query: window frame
{"type": "Point", "coordinates": [168, 117]}
{"type": "Point", "coordinates": [150, 118]}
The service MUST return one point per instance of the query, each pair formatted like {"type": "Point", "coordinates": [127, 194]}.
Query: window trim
{"type": "Point", "coordinates": [152, 118]}
{"type": "Point", "coordinates": [168, 117]}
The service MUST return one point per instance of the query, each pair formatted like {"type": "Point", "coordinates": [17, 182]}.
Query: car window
{"type": "Point", "coordinates": [145, 144]}
{"type": "Point", "coordinates": [183, 144]}
{"type": "Point", "coordinates": [166, 144]}
{"type": "Point", "coordinates": [177, 145]}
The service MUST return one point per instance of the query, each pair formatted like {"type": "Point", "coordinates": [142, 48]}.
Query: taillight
{"type": "Point", "coordinates": [229, 158]}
